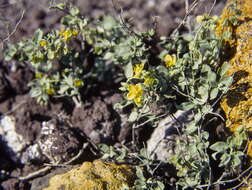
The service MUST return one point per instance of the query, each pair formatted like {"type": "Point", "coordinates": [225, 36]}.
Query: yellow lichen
{"type": "Point", "coordinates": [97, 175]}
{"type": "Point", "coordinates": [237, 104]}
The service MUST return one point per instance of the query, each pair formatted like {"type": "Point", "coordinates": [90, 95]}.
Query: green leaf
{"type": "Point", "coordinates": [206, 109]}
{"type": "Point", "coordinates": [133, 116]}
{"type": "Point", "coordinates": [108, 23]}
{"type": "Point", "coordinates": [50, 54]}
{"type": "Point", "coordinates": [219, 146]}
{"type": "Point", "coordinates": [10, 52]}
{"type": "Point", "coordinates": [206, 68]}
{"type": "Point", "coordinates": [191, 128]}
{"type": "Point", "coordinates": [186, 106]}
{"type": "Point", "coordinates": [108, 56]}
{"type": "Point", "coordinates": [236, 161]}
{"type": "Point", "coordinates": [211, 76]}
{"type": "Point", "coordinates": [139, 173]}
{"type": "Point", "coordinates": [225, 159]}
{"type": "Point", "coordinates": [38, 35]}
{"type": "Point", "coordinates": [203, 92]}
{"type": "Point", "coordinates": [74, 11]}
{"type": "Point", "coordinates": [128, 70]}
{"type": "Point", "coordinates": [60, 6]}
{"type": "Point", "coordinates": [224, 68]}
{"type": "Point", "coordinates": [205, 135]}
{"type": "Point", "coordinates": [213, 94]}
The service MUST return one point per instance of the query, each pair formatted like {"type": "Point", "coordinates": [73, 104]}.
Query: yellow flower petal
{"type": "Point", "coordinates": [75, 32]}
{"type": "Point", "coordinates": [130, 95]}
{"type": "Point", "coordinates": [148, 81]}
{"type": "Point", "coordinates": [38, 75]}
{"type": "Point", "coordinates": [138, 101]}
{"type": "Point", "coordinates": [42, 43]}
{"type": "Point", "coordinates": [78, 83]}
{"type": "Point", "coordinates": [170, 60]}
{"type": "Point", "coordinates": [50, 91]}
{"type": "Point", "coordinates": [138, 68]}
{"type": "Point", "coordinates": [135, 93]}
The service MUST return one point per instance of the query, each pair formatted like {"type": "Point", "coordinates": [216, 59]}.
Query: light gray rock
{"type": "Point", "coordinates": [15, 143]}
{"type": "Point", "coordinates": [163, 140]}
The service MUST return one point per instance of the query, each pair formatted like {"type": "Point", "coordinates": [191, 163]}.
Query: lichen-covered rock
{"type": "Point", "coordinates": [97, 175]}
{"type": "Point", "coordinates": [236, 23]}
{"type": "Point", "coordinates": [235, 27]}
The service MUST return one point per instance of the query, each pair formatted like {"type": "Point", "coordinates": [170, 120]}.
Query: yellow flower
{"type": "Point", "coordinates": [148, 80]}
{"type": "Point", "coordinates": [138, 68]}
{"type": "Point", "coordinates": [68, 33]}
{"type": "Point", "coordinates": [38, 75]}
{"type": "Point", "coordinates": [75, 32]}
{"type": "Point", "coordinates": [50, 91]}
{"type": "Point", "coordinates": [42, 43]}
{"type": "Point", "coordinates": [170, 60]}
{"type": "Point", "coordinates": [78, 83]}
{"type": "Point", "coordinates": [135, 93]}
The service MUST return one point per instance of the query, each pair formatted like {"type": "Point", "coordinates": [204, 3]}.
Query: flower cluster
{"type": "Point", "coordinates": [68, 33]}
{"type": "Point", "coordinates": [136, 91]}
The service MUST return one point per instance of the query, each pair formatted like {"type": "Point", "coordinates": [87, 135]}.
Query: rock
{"type": "Point", "coordinates": [163, 140]}
{"type": "Point", "coordinates": [14, 142]}
{"type": "Point", "coordinates": [97, 175]}
{"type": "Point", "coordinates": [98, 121]}
{"type": "Point", "coordinates": [14, 184]}
{"type": "Point", "coordinates": [237, 103]}
{"type": "Point", "coordinates": [58, 142]}
{"type": "Point", "coordinates": [42, 182]}
{"type": "Point", "coordinates": [4, 86]}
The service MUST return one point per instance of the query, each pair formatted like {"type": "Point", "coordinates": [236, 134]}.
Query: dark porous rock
{"type": "Point", "coordinates": [4, 85]}
{"type": "Point", "coordinates": [19, 79]}
{"type": "Point", "coordinates": [58, 142]}
{"type": "Point", "coordinates": [98, 121]}
{"type": "Point", "coordinates": [14, 184]}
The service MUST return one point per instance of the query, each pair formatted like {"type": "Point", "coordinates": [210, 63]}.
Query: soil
{"type": "Point", "coordinates": [96, 121]}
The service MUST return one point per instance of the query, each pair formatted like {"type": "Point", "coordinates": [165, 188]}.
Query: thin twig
{"type": "Point", "coordinates": [211, 9]}
{"type": "Point", "coordinates": [151, 119]}
{"type": "Point", "coordinates": [50, 166]}
{"type": "Point", "coordinates": [123, 23]}
{"type": "Point", "coordinates": [228, 181]}
{"type": "Point", "coordinates": [15, 29]}
{"type": "Point", "coordinates": [188, 12]}
{"type": "Point", "coordinates": [16, 107]}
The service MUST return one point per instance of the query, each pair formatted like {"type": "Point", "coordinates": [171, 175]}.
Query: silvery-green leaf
{"type": "Point", "coordinates": [225, 159]}
{"type": "Point", "coordinates": [38, 35]}
{"type": "Point", "coordinates": [128, 70]}
{"type": "Point", "coordinates": [133, 116]}
{"type": "Point", "coordinates": [213, 94]}
{"type": "Point", "coordinates": [218, 146]}
{"type": "Point", "coordinates": [224, 68]}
